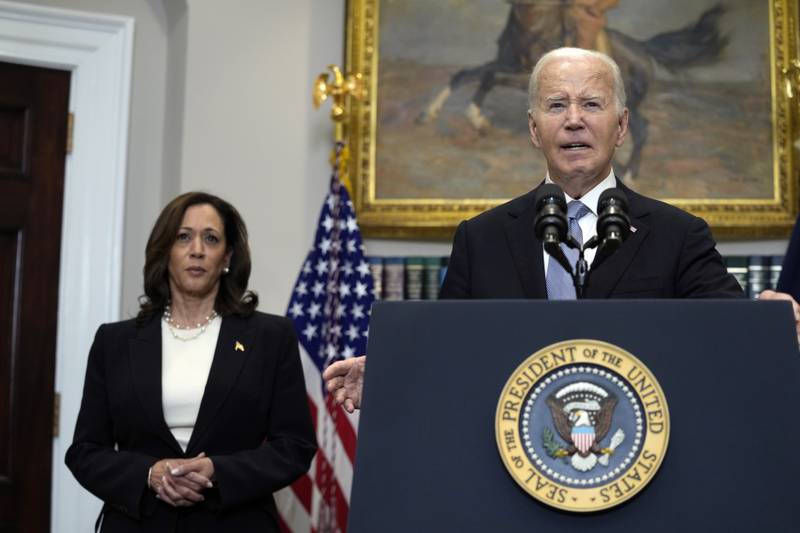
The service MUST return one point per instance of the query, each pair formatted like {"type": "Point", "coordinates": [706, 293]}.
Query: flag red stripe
{"type": "Point", "coordinates": [344, 429]}
{"type": "Point", "coordinates": [282, 525]}
{"type": "Point", "coordinates": [302, 488]}
{"type": "Point", "coordinates": [312, 406]}
{"type": "Point", "coordinates": [334, 495]}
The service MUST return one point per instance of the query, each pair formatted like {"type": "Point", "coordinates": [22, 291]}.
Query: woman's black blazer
{"type": "Point", "coordinates": [253, 423]}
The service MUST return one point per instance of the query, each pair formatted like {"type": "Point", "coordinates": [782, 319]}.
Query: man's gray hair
{"type": "Point", "coordinates": [566, 52]}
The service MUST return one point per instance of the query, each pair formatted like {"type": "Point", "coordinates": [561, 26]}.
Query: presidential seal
{"type": "Point", "coordinates": [582, 425]}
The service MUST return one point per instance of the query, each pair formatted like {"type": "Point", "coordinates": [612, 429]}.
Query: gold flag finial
{"type": "Point", "coordinates": [338, 89]}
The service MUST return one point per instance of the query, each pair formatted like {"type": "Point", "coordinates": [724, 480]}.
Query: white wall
{"type": "Point", "coordinates": [250, 132]}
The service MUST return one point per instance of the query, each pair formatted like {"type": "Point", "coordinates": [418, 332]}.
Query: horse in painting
{"type": "Point", "coordinates": [534, 27]}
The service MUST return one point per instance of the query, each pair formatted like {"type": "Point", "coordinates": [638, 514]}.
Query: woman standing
{"type": "Point", "coordinates": [195, 412]}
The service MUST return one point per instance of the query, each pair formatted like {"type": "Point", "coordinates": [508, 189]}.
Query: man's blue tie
{"type": "Point", "coordinates": [559, 282]}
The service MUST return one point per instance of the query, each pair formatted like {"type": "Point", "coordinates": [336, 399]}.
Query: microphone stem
{"type": "Point", "coordinates": [581, 275]}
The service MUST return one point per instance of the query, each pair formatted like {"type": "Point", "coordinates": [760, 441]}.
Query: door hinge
{"type": "Point", "coordinates": [70, 127]}
{"type": "Point", "coordinates": [56, 414]}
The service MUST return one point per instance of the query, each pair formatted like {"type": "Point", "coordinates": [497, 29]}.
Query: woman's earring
{"type": "Point", "coordinates": [226, 270]}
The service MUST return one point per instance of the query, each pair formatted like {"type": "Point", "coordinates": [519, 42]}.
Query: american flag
{"type": "Point", "coordinates": [330, 307]}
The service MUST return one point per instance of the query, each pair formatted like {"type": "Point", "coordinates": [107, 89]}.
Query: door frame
{"type": "Point", "coordinates": [98, 50]}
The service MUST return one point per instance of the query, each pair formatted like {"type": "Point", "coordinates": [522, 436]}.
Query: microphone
{"type": "Point", "coordinates": [613, 222]}
{"type": "Point", "coordinates": [550, 224]}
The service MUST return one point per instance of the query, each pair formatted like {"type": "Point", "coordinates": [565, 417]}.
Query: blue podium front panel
{"type": "Point", "coordinates": [428, 458]}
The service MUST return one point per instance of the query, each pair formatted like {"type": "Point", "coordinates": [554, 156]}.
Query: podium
{"type": "Point", "coordinates": [428, 460]}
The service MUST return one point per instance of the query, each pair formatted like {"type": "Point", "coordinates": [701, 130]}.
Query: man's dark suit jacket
{"type": "Point", "coordinates": [253, 423]}
{"type": "Point", "coordinates": [670, 255]}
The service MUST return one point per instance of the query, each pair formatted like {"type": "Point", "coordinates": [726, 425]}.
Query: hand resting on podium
{"type": "Point", "coordinates": [345, 380]}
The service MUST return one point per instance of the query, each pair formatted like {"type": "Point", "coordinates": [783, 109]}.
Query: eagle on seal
{"type": "Point", "coordinates": [582, 414]}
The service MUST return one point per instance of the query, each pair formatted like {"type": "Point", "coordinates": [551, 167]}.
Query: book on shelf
{"type": "Point", "coordinates": [376, 269]}
{"type": "Point", "coordinates": [775, 268]}
{"type": "Point", "coordinates": [413, 277]}
{"type": "Point", "coordinates": [432, 276]}
{"type": "Point", "coordinates": [394, 278]}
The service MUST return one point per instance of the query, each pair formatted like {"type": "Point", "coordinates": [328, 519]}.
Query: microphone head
{"type": "Point", "coordinates": [550, 193]}
{"type": "Point", "coordinates": [612, 196]}
{"type": "Point", "coordinates": [550, 225]}
{"type": "Point", "coordinates": [613, 223]}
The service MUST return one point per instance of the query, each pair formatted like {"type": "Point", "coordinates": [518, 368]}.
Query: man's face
{"type": "Point", "coordinates": [574, 121]}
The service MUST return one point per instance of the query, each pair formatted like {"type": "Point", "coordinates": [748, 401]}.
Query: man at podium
{"type": "Point", "coordinates": [577, 118]}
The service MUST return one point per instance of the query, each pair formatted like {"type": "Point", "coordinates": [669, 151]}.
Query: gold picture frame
{"type": "Point", "coordinates": [771, 213]}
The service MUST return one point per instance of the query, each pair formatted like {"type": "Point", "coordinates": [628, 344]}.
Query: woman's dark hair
{"type": "Point", "coordinates": [233, 296]}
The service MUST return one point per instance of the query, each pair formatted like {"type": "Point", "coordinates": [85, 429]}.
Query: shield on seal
{"type": "Point", "coordinates": [583, 438]}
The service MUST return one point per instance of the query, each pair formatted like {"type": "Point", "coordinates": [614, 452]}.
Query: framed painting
{"type": "Point", "coordinates": [442, 134]}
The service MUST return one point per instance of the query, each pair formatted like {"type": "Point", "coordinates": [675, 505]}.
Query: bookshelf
{"type": "Point", "coordinates": [418, 277]}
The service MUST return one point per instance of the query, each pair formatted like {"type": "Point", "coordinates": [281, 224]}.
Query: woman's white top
{"type": "Point", "coordinates": [185, 366]}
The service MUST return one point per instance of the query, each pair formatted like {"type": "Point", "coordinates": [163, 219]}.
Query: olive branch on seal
{"type": "Point", "coordinates": [551, 446]}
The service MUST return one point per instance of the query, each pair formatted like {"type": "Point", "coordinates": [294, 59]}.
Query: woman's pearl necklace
{"type": "Point", "coordinates": [173, 326]}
